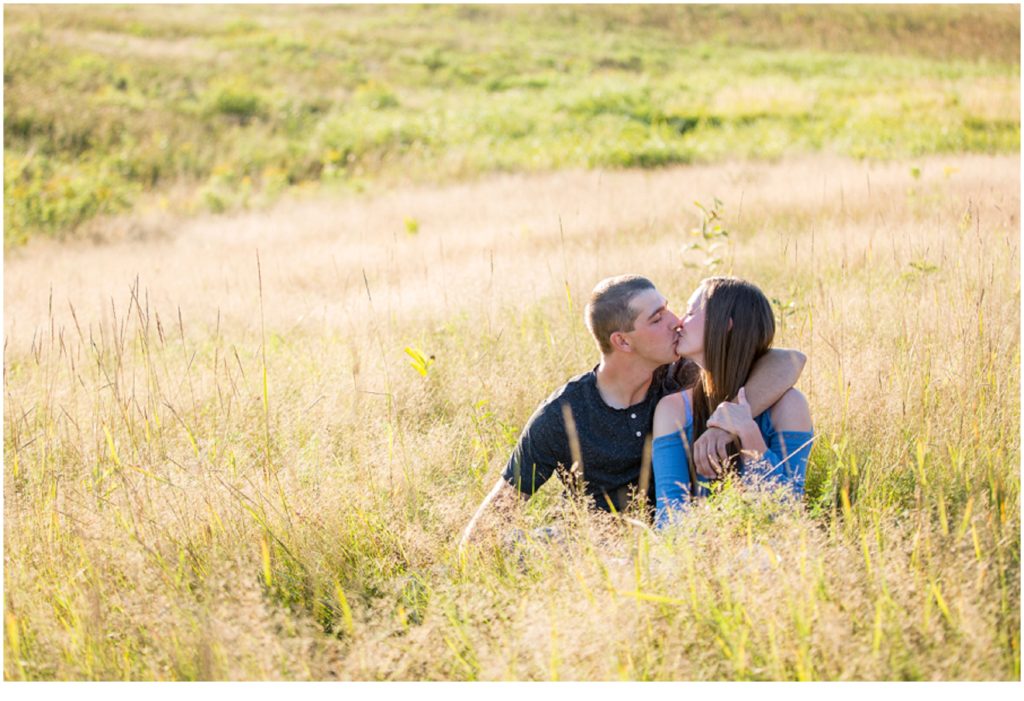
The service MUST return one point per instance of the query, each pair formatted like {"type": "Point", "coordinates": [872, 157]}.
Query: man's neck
{"type": "Point", "coordinates": [623, 384]}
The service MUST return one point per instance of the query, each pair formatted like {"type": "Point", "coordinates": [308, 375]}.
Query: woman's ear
{"type": "Point", "coordinates": [730, 324]}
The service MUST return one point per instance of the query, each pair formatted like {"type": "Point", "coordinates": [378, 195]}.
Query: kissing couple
{"type": "Point", "coordinates": [706, 391]}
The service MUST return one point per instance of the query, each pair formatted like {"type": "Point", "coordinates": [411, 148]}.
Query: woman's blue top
{"type": "Point", "coordinates": [784, 463]}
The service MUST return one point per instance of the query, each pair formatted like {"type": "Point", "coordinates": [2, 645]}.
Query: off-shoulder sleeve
{"type": "Point", "coordinates": [785, 461]}
{"type": "Point", "coordinates": [672, 471]}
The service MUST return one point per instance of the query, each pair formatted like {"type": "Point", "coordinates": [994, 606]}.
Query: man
{"type": "Point", "coordinates": [591, 432]}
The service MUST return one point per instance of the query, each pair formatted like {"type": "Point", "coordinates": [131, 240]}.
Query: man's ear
{"type": "Point", "coordinates": [620, 342]}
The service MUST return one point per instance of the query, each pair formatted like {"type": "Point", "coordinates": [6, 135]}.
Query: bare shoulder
{"type": "Point", "coordinates": [670, 414]}
{"type": "Point", "coordinates": [792, 412]}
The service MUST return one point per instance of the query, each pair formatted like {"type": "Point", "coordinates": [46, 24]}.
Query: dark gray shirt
{"type": "Point", "coordinates": [611, 441]}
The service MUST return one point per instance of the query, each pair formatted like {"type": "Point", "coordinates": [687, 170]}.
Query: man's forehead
{"type": "Point", "coordinates": [647, 302]}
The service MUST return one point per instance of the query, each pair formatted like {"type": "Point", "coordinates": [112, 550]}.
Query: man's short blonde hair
{"type": "Point", "coordinates": [610, 307]}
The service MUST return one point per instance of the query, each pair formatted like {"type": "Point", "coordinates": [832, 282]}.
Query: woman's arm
{"type": "Point", "coordinates": [772, 375]}
{"type": "Point", "coordinates": [671, 477]}
{"type": "Point", "coordinates": [670, 414]}
{"type": "Point", "coordinates": [784, 461]}
{"type": "Point", "coordinates": [669, 457]}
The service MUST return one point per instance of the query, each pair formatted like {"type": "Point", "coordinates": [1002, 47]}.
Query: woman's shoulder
{"type": "Point", "coordinates": [791, 412]}
{"type": "Point", "coordinates": [672, 413]}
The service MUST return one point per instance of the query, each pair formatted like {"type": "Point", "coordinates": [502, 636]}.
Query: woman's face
{"type": "Point", "coordinates": [691, 329]}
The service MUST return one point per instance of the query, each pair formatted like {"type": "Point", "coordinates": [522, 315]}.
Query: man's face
{"type": "Point", "coordinates": [655, 328]}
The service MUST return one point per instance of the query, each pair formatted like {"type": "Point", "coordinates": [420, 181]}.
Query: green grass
{"type": "Point", "coordinates": [109, 109]}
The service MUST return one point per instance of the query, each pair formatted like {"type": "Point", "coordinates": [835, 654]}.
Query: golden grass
{"type": "Point", "coordinates": [214, 471]}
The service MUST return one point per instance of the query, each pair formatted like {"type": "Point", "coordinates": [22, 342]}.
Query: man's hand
{"type": "Point", "coordinates": [709, 452]}
{"type": "Point", "coordinates": [499, 505]}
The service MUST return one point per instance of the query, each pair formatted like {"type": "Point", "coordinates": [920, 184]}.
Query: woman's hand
{"type": "Point", "coordinates": [735, 418]}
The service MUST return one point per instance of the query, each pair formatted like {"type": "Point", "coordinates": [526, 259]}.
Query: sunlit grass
{"type": "Point", "coordinates": [232, 469]}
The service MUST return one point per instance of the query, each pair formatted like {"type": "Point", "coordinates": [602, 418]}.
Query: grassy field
{"type": "Point", "coordinates": [242, 442]}
{"type": "Point", "coordinates": [120, 109]}
{"type": "Point", "coordinates": [230, 468]}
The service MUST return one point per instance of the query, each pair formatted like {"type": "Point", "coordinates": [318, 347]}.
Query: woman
{"type": "Point", "coordinates": [728, 325]}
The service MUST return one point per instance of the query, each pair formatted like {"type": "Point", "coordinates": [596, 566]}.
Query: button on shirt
{"type": "Point", "coordinates": [611, 440]}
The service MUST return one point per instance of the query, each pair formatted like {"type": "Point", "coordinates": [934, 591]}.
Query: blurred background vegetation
{"type": "Point", "coordinates": [190, 109]}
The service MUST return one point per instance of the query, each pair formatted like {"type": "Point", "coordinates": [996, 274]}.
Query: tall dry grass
{"type": "Point", "coordinates": [218, 468]}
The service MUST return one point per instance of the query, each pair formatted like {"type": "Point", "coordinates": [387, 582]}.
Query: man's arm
{"type": "Point", "coordinates": [499, 504]}
{"type": "Point", "coordinates": [539, 451]}
{"type": "Point", "coordinates": [771, 377]}
{"type": "Point", "coordinates": [534, 451]}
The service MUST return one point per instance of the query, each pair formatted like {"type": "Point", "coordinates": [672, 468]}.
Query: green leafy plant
{"type": "Point", "coordinates": [783, 310]}
{"type": "Point", "coordinates": [712, 236]}
{"type": "Point", "coordinates": [923, 266]}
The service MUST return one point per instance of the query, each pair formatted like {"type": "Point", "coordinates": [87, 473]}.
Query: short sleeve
{"type": "Point", "coordinates": [538, 452]}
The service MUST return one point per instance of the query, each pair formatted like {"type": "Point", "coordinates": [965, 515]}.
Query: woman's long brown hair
{"type": "Point", "coordinates": [730, 350]}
